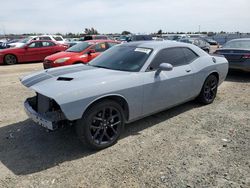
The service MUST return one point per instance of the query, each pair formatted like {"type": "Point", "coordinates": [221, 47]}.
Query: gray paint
{"type": "Point", "coordinates": [145, 92]}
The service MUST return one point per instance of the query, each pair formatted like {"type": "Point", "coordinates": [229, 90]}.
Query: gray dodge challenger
{"type": "Point", "coordinates": [125, 83]}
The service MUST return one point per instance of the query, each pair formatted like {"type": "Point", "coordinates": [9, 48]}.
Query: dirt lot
{"type": "Point", "coordinates": [188, 146]}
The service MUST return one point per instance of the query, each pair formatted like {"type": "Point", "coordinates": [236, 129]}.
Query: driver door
{"type": "Point", "coordinates": [168, 88]}
{"type": "Point", "coordinates": [32, 51]}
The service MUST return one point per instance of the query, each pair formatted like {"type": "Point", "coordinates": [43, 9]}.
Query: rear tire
{"type": "Point", "coordinates": [209, 90]}
{"type": "Point", "coordinates": [101, 125]}
{"type": "Point", "coordinates": [10, 59]}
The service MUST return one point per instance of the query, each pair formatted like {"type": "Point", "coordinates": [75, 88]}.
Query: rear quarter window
{"type": "Point", "coordinates": [189, 54]}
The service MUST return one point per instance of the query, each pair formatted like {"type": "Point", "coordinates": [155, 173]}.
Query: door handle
{"type": "Point", "coordinates": [188, 70]}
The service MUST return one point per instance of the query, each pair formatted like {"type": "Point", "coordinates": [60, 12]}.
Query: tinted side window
{"type": "Point", "coordinates": [47, 44]}
{"type": "Point", "coordinates": [35, 45]}
{"type": "Point", "coordinates": [101, 47]}
{"type": "Point", "coordinates": [32, 45]}
{"type": "Point", "coordinates": [88, 38]}
{"type": "Point", "coordinates": [174, 56]}
{"type": "Point", "coordinates": [190, 55]}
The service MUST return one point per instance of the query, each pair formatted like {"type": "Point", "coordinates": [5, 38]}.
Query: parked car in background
{"type": "Point", "coordinates": [72, 41]}
{"type": "Point", "coordinates": [210, 41]}
{"type": "Point", "coordinates": [56, 38]}
{"type": "Point", "coordinates": [82, 52]}
{"type": "Point", "coordinates": [237, 52]}
{"type": "Point", "coordinates": [197, 42]}
{"type": "Point", "coordinates": [33, 51]}
{"type": "Point", "coordinates": [21, 42]}
{"type": "Point", "coordinates": [125, 83]}
{"type": "Point", "coordinates": [94, 37]}
{"type": "Point", "coordinates": [132, 38]}
{"type": "Point", "coordinates": [123, 38]}
{"type": "Point", "coordinates": [3, 45]}
{"type": "Point", "coordinates": [175, 37]}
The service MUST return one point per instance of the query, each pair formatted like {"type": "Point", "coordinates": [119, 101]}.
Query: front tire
{"type": "Point", "coordinates": [101, 125]}
{"type": "Point", "coordinates": [10, 59]}
{"type": "Point", "coordinates": [209, 90]}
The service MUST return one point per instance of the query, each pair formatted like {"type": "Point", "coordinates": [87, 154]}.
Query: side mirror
{"type": "Point", "coordinates": [26, 47]}
{"type": "Point", "coordinates": [91, 51]}
{"type": "Point", "coordinates": [164, 67]}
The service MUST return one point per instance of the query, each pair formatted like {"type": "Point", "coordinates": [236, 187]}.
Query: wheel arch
{"type": "Point", "coordinates": [206, 76]}
{"type": "Point", "coordinates": [215, 74]}
{"type": "Point", "coordinates": [114, 97]}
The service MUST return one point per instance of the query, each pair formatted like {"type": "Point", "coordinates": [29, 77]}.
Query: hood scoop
{"type": "Point", "coordinates": [64, 79]}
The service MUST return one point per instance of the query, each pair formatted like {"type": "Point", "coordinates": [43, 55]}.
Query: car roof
{"type": "Point", "coordinates": [44, 41]}
{"type": "Point", "coordinates": [156, 44]}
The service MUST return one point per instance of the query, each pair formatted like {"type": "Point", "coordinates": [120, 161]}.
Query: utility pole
{"type": "Point", "coordinates": [199, 29]}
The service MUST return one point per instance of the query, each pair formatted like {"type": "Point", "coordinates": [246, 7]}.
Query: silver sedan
{"type": "Point", "coordinates": [125, 83]}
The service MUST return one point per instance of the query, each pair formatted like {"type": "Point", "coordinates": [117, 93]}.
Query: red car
{"type": "Point", "coordinates": [82, 52]}
{"type": "Point", "coordinates": [33, 51]}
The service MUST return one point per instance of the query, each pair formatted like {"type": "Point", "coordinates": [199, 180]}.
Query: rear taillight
{"type": "Point", "coordinates": [246, 56]}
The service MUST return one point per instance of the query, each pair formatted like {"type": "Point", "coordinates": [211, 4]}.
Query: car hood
{"type": "Point", "coordinates": [61, 55]}
{"type": "Point", "coordinates": [75, 82]}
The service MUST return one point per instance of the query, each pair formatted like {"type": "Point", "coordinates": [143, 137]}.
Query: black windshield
{"type": "Point", "coordinates": [79, 47]}
{"type": "Point", "coordinates": [124, 58]}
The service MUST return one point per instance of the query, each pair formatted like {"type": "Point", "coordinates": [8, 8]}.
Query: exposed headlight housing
{"type": "Point", "coordinates": [62, 60]}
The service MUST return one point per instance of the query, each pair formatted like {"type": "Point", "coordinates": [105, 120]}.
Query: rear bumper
{"type": "Point", "coordinates": [245, 66]}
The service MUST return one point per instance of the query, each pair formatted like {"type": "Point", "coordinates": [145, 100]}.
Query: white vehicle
{"type": "Point", "coordinates": [56, 38]}
{"type": "Point", "coordinates": [22, 42]}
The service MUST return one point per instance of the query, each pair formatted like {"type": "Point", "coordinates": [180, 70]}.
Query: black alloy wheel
{"type": "Point", "coordinates": [101, 125]}
{"type": "Point", "coordinates": [209, 90]}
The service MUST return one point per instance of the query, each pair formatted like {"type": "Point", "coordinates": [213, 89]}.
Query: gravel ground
{"type": "Point", "coordinates": [187, 146]}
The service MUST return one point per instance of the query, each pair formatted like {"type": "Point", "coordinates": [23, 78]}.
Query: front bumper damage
{"type": "Point", "coordinates": [49, 117]}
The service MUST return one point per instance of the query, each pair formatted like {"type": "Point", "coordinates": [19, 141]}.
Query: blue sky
{"type": "Point", "coordinates": [110, 16]}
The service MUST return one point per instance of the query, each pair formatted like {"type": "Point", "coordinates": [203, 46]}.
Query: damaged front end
{"type": "Point", "coordinates": [45, 111]}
